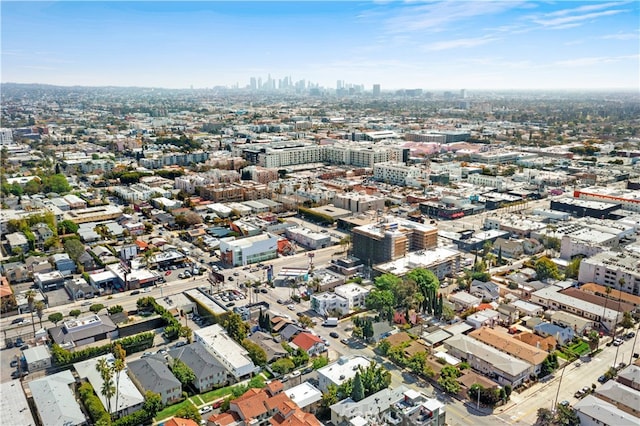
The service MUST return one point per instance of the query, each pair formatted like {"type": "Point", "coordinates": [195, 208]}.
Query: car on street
{"type": "Point", "coordinates": [602, 379]}
{"type": "Point", "coordinates": [306, 370]}
{"type": "Point", "coordinates": [14, 363]}
{"type": "Point", "coordinates": [344, 341]}
{"type": "Point", "coordinates": [291, 308]}
{"type": "Point", "coordinates": [181, 275]}
{"type": "Point", "coordinates": [167, 273]}
{"type": "Point", "coordinates": [230, 278]}
{"type": "Point", "coordinates": [236, 274]}
{"type": "Point", "coordinates": [19, 341]}
{"type": "Point", "coordinates": [180, 344]}
{"type": "Point", "coordinates": [230, 304]}
{"type": "Point", "coordinates": [134, 292]}
{"type": "Point", "coordinates": [85, 304]}
{"type": "Point", "coordinates": [24, 347]}
{"type": "Point", "coordinates": [294, 374]}
{"type": "Point", "coordinates": [17, 374]}
{"type": "Point", "coordinates": [617, 342]}
{"type": "Point", "coordinates": [565, 403]}
{"type": "Point", "coordinates": [280, 301]}
{"type": "Point", "coordinates": [263, 290]}
{"type": "Point", "coordinates": [334, 335]}
{"type": "Point", "coordinates": [631, 335]}
{"type": "Point", "coordinates": [256, 290]}
{"type": "Point", "coordinates": [21, 321]}
{"type": "Point", "coordinates": [205, 409]}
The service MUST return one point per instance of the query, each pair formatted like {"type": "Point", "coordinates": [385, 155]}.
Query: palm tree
{"type": "Point", "coordinates": [621, 282]}
{"type": "Point", "coordinates": [106, 373]}
{"type": "Point", "coordinates": [118, 366]}
{"type": "Point", "coordinates": [39, 306]}
{"type": "Point", "coordinates": [31, 297]}
{"type": "Point", "coordinates": [604, 309]}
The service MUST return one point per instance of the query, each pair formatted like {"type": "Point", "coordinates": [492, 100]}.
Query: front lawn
{"type": "Point", "coordinates": [171, 410]}
{"type": "Point", "coordinates": [215, 394]}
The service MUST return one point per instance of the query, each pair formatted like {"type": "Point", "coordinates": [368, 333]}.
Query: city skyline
{"type": "Point", "coordinates": [504, 45]}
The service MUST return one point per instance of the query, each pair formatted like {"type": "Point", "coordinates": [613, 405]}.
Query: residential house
{"type": "Point", "coordinates": [152, 374]}
{"type": "Point", "coordinates": [63, 263]}
{"type": "Point", "coordinates": [7, 299]}
{"type": "Point", "coordinates": [290, 331]}
{"type": "Point", "coordinates": [16, 272]}
{"type": "Point", "coordinates": [563, 335]}
{"type": "Point", "coordinates": [507, 248]}
{"type": "Point", "coordinates": [593, 411]}
{"type": "Point", "coordinates": [87, 262]}
{"type": "Point", "coordinates": [84, 330]}
{"type": "Point", "coordinates": [179, 421]}
{"type": "Point", "coordinates": [463, 300]}
{"type": "Point", "coordinates": [487, 291]}
{"type": "Point", "coordinates": [308, 342]}
{"type": "Point", "coordinates": [340, 371]}
{"type": "Point", "coordinates": [37, 358]}
{"type": "Point", "coordinates": [306, 396]}
{"type": "Point", "coordinates": [272, 349]}
{"type": "Point", "coordinates": [55, 400]}
{"type": "Point", "coordinates": [630, 376]}
{"type": "Point", "coordinates": [129, 397]}
{"type": "Point", "coordinates": [209, 372]}
{"type": "Point", "coordinates": [14, 407]}
{"type": "Point", "coordinates": [623, 397]}
{"type": "Point", "coordinates": [17, 240]}
{"type": "Point", "coordinates": [42, 233]}
{"type": "Point", "coordinates": [266, 406]}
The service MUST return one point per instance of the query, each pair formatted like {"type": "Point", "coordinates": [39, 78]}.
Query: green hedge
{"type": "Point", "coordinates": [320, 217]}
{"type": "Point", "coordinates": [139, 342]}
{"type": "Point", "coordinates": [93, 405]}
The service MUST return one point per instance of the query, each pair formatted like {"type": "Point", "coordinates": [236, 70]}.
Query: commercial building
{"type": "Point", "coordinates": [585, 207]}
{"type": "Point", "coordinates": [249, 250]}
{"type": "Point", "coordinates": [358, 202]}
{"type": "Point", "coordinates": [93, 214]}
{"type": "Point", "coordinates": [628, 200]}
{"type": "Point", "coordinates": [442, 261]}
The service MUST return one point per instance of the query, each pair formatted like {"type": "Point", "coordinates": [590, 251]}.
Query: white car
{"type": "Point", "coordinates": [205, 409]}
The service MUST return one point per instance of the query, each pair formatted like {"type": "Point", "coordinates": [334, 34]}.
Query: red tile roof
{"type": "Point", "coordinates": [178, 421]}
{"type": "Point", "coordinates": [306, 341]}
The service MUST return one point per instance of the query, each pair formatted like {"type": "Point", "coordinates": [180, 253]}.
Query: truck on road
{"type": "Point", "coordinates": [330, 322]}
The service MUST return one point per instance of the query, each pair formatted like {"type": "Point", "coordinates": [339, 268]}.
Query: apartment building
{"type": "Point", "coordinates": [358, 202]}
{"type": "Point", "coordinates": [386, 241]}
{"type": "Point", "coordinates": [618, 270]}
{"type": "Point", "coordinates": [395, 173]}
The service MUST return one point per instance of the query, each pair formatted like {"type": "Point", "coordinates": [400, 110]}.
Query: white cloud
{"type": "Point", "coordinates": [586, 8]}
{"type": "Point", "coordinates": [594, 60]}
{"type": "Point", "coordinates": [621, 36]}
{"type": "Point", "coordinates": [564, 20]}
{"type": "Point", "coordinates": [439, 16]}
{"type": "Point", "coordinates": [460, 43]}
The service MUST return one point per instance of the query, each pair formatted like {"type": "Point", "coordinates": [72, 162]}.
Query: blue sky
{"type": "Point", "coordinates": [415, 44]}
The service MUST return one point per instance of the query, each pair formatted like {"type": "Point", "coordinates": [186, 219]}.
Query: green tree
{"type": "Point", "coordinates": [567, 416]}
{"type": "Point", "coordinates": [573, 268]}
{"type": "Point", "coordinates": [256, 353]}
{"type": "Point", "coordinates": [330, 397]}
{"type": "Point", "coordinates": [627, 320]}
{"type": "Point", "coordinates": [387, 282]}
{"type": "Point", "coordinates": [283, 366]}
{"type": "Point", "coordinates": [320, 362]}
{"type": "Point", "coordinates": [31, 297]}
{"type": "Point", "coordinates": [236, 328]}
{"type": "Point", "coordinates": [115, 309]}
{"type": "Point", "coordinates": [75, 313]}
{"type": "Point", "coordinates": [256, 382]}
{"type": "Point", "coordinates": [357, 393]}
{"type": "Point", "coordinates": [545, 268]}
{"type": "Point", "coordinates": [152, 403]}
{"type": "Point", "coordinates": [183, 372]}
{"type": "Point", "coordinates": [545, 417]}
{"type": "Point", "coordinates": [74, 248]}
{"type": "Point", "coordinates": [428, 285]}
{"type": "Point", "coordinates": [55, 317]}
{"type": "Point", "coordinates": [189, 411]}
{"type": "Point", "coordinates": [300, 357]}
{"type": "Point", "coordinates": [108, 389]}
{"type": "Point", "coordinates": [96, 307]}
{"type": "Point", "coordinates": [39, 307]}
{"type": "Point", "coordinates": [67, 227]}
{"type": "Point", "coordinates": [447, 379]}
{"type": "Point", "coordinates": [381, 301]}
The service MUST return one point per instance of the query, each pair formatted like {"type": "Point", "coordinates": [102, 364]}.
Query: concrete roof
{"type": "Point", "coordinates": [604, 412]}
{"type": "Point", "coordinates": [55, 401]}
{"type": "Point", "coordinates": [153, 375]}
{"type": "Point", "coordinates": [14, 408]}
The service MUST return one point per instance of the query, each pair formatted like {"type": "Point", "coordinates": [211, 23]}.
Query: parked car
{"type": "Point", "coordinates": [307, 370]}
{"type": "Point", "coordinates": [334, 335]}
{"type": "Point", "coordinates": [180, 344]}
{"type": "Point", "coordinates": [19, 341]}
{"type": "Point", "coordinates": [602, 379]}
{"type": "Point", "coordinates": [134, 292]}
{"type": "Point", "coordinates": [14, 363]}
{"type": "Point", "coordinates": [205, 409]}
{"type": "Point", "coordinates": [291, 308]}
{"type": "Point", "coordinates": [565, 403]}
{"type": "Point", "coordinates": [263, 290]}
{"type": "Point", "coordinates": [344, 341]}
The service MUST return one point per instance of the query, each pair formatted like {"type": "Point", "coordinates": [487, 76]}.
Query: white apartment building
{"type": "Point", "coordinates": [6, 137]}
{"type": "Point", "coordinates": [230, 354]}
{"type": "Point", "coordinates": [395, 173]}
{"type": "Point", "coordinates": [135, 192]}
{"type": "Point", "coordinates": [329, 304]}
{"type": "Point", "coordinates": [340, 371]}
{"type": "Point", "coordinates": [497, 182]}
{"type": "Point", "coordinates": [354, 294]}
{"type": "Point", "coordinates": [620, 271]}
